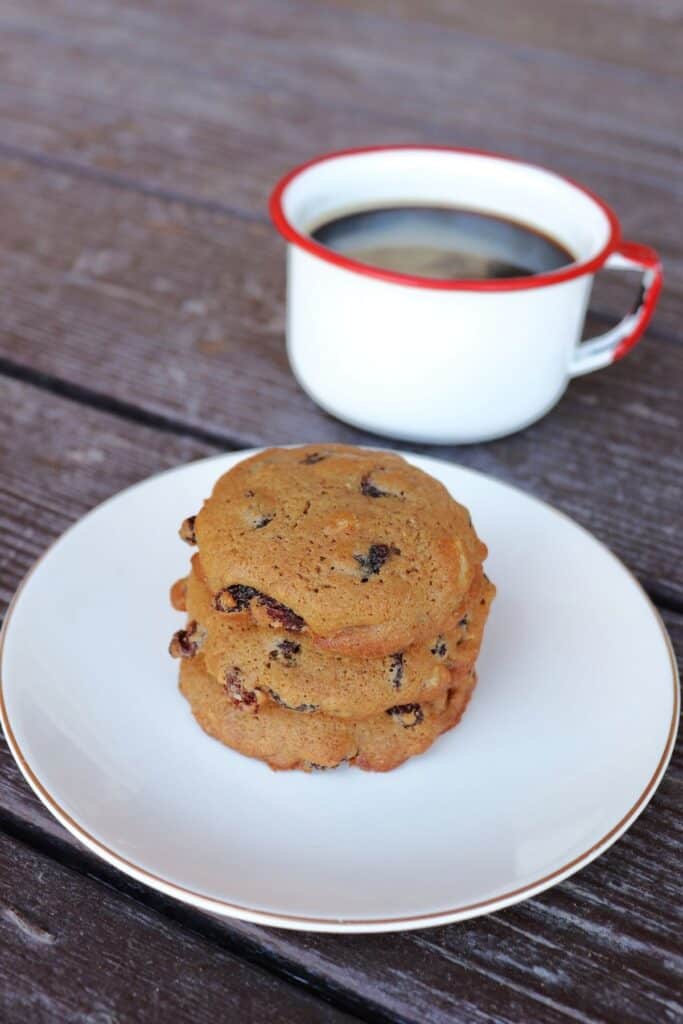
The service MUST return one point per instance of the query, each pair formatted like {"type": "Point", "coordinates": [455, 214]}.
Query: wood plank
{"type": "Point", "coordinates": [226, 99]}
{"type": "Point", "coordinates": [226, 55]}
{"type": "Point", "coordinates": [146, 301]}
{"type": "Point", "coordinates": [73, 950]}
{"type": "Point", "coordinates": [604, 946]}
{"type": "Point", "coordinates": [57, 460]}
{"type": "Point", "coordinates": [642, 35]}
{"type": "Point", "coordinates": [152, 304]}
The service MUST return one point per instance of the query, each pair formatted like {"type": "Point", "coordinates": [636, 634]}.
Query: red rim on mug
{"type": "Point", "coordinates": [576, 269]}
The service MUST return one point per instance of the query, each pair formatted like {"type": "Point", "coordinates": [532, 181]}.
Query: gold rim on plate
{"type": "Point", "coordinates": [296, 921]}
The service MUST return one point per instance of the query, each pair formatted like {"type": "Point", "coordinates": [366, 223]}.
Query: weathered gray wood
{"type": "Point", "coordinates": [175, 309]}
{"type": "Point", "coordinates": [603, 946]}
{"type": "Point", "coordinates": [74, 951]}
{"type": "Point", "coordinates": [423, 70]}
{"type": "Point", "coordinates": [131, 297]}
{"type": "Point", "coordinates": [607, 31]}
{"type": "Point", "coordinates": [227, 99]}
{"type": "Point", "coordinates": [57, 460]}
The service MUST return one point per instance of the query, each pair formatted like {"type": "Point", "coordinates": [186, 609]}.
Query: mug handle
{"type": "Point", "coordinates": [615, 343]}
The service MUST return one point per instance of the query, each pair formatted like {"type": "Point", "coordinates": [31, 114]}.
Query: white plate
{"type": "Point", "coordinates": [565, 740]}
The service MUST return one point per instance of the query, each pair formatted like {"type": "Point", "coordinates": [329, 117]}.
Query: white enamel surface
{"type": "Point", "coordinates": [425, 364]}
{"type": "Point", "coordinates": [599, 352]}
{"type": "Point", "coordinates": [566, 735]}
{"type": "Point", "coordinates": [429, 366]}
{"type": "Point", "coordinates": [521, 191]}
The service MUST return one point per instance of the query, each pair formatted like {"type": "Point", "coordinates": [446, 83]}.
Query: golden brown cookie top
{"type": "Point", "coordinates": [355, 546]}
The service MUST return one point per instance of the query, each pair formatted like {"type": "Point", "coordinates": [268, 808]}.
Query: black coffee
{"type": "Point", "coordinates": [443, 242]}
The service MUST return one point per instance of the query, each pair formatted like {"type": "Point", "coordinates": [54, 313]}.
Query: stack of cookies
{"type": "Point", "coordinates": [336, 604]}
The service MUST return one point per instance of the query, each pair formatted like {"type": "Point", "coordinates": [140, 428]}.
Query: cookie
{"type": "Point", "coordinates": [289, 739]}
{"type": "Point", "coordinates": [293, 672]}
{"type": "Point", "coordinates": [178, 595]}
{"type": "Point", "coordinates": [355, 548]}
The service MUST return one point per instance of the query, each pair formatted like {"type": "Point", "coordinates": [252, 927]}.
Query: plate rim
{"type": "Point", "coordinates": [306, 922]}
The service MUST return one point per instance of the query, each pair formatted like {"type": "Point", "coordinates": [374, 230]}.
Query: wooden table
{"type": "Point", "coordinates": [141, 326]}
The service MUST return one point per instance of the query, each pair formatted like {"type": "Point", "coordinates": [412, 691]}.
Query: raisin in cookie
{"type": "Point", "coordinates": [356, 548]}
{"type": "Point", "coordinates": [288, 739]}
{"type": "Point", "coordinates": [293, 672]}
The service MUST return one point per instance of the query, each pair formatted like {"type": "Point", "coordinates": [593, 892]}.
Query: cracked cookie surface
{"type": "Point", "coordinates": [368, 553]}
{"type": "Point", "coordinates": [288, 739]}
{"type": "Point", "coordinates": [335, 608]}
{"type": "Point", "coordinates": [294, 671]}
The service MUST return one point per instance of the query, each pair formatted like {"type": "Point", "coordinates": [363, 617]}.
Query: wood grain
{"type": "Point", "coordinates": [61, 461]}
{"type": "Point", "coordinates": [215, 107]}
{"type": "Point", "coordinates": [641, 35]}
{"type": "Point", "coordinates": [129, 296]}
{"type": "Point", "coordinates": [604, 946]}
{"type": "Point", "coordinates": [389, 68]}
{"type": "Point", "coordinates": [141, 282]}
{"type": "Point", "coordinates": [74, 951]}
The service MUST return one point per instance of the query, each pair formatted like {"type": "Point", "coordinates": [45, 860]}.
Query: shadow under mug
{"type": "Point", "coordinates": [447, 361]}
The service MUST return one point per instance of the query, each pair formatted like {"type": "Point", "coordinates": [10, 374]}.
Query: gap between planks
{"type": "Point", "coordinates": [126, 184]}
{"type": "Point", "coordinates": [92, 399]}
{"type": "Point", "coordinates": [128, 411]}
{"type": "Point", "coordinates": [212, 929]}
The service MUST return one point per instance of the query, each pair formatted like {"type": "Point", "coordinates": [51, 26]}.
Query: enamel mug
{"type": "Point", "coordinates": [447, 361]}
